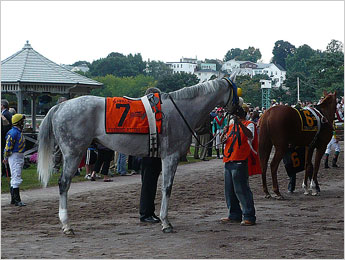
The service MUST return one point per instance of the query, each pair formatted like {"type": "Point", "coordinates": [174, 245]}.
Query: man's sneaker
{"type": "Point", "coordinates": [88, 176]}
{"type": "Point", "coordinates": [247, 223]}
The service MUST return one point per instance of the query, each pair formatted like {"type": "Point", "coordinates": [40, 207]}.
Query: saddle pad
{"type": "Point", "coordinates": [308, 120]}
{"type": "Point", "coordinates": [126, 116]}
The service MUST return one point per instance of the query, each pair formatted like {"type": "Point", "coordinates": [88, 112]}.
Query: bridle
{"type": "Point", "coordinates": [235, 102]}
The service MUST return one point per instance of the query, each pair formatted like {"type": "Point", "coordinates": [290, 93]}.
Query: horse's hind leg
{"type": "Point", "coordinates": [308, 169]}
{"type": "Point", "coordinates": [69, 168]}
{"type": "Point", "coordinates": [278, 156]}
{"type": "Point", "coordinates": [265, 147]}
{"type": "Point", "coordinates": [314, 185]}
{"type": "Point", "coordinates": [169, 166]}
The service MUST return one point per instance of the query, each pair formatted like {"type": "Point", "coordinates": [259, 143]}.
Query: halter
{"type": "Point", "coordinates": [235, 101]}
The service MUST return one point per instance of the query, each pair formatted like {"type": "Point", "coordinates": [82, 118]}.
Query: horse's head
{"type": "Point", "coordinates": [234, 102]}
{"type": "Point", "coordinates": [328, 105]}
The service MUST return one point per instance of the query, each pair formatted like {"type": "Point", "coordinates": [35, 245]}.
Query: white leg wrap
{"type": "Point", "coordinates": [305, 188]}
{"type": "Point", "coordinates": [63, 216]}
{"type": "Point", "coordinates": [313, 188]}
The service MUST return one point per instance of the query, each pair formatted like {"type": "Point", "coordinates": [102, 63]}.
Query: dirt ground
{"type": "Point", "coordinates": [106, 224]}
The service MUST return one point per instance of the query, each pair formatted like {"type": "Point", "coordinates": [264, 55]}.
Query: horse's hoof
{"type": "Point", "coordinates": [69, 232]}
{"type": "Point", "coordinates": [306, 192]}
{"type": "Point", "coordinates": [278, 197]}
{"type": "Point", "coordinates": [267, 196]}
{"type": "Point", "coordinates": [315, 194]}
{"type": "Point", "coordinates": [168, 229]}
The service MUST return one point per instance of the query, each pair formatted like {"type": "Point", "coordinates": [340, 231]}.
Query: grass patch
{"type": "Point", "coordinates": [30, 175]}
{"type": "Point", "coordinates": [30, 180]}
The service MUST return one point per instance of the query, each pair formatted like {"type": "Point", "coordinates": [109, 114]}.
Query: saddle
{"type": "Point", "coordinates": [124, 115]}
{"type": "Point", "coordinates": [310, 121]}
{"type": "Point", "coordinates": [128, 116]}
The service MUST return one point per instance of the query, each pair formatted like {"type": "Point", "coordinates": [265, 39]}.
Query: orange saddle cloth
{"type": "Point", "coordinates": [126, 116]}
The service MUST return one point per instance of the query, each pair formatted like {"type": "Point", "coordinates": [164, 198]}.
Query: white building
{"type": "Point", "coordinates": [274, 71]}
{"type": "Point", "coordinates": [182, 67]}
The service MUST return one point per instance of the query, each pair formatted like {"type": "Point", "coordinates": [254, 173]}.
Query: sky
{"type": "Point", "coordinates": [70, 31]}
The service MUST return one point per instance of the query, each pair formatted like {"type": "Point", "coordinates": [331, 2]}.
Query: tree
{"type": "Point", "coordinates": [118, 65]}
{"type": "Point", "coordinates": [123, 86]}
{"type": "Point", "coordinates": [81, 62]}
{"type": "Point", "coordinates": [232, 54]}
{"type": "Point", "coordinates": [251, 88]}
{"type": "Point", "coordinates": [172, 82]}
{"type": "Point", "coordinates": [317, 71]}
{"type": "Point", "coordinates": [335, 46]}
{"type": "Point", "coordinates": [281, 50]}
{"type": "Point", "coordinates": [250, 54]}
{"type": "Point", "coordinates": [158, 69]}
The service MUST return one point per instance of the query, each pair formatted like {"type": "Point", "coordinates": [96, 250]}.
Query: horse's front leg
{"type": "Point", "coordinates": [169, 166]}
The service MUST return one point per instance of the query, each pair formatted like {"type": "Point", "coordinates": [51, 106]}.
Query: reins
{"type": "Point", "coordinates": [235, 101]}
{"type": "Point", "coordinates": [184, 119]}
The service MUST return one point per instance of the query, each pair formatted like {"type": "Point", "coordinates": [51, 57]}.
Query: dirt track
{"type": "Point", "coordinates": [105, 219]}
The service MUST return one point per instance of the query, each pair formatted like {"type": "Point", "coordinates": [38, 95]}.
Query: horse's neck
{"type": "Point", "coordinates": [196, 109]}
{"type": "Point", "coordinates": [327, 112]}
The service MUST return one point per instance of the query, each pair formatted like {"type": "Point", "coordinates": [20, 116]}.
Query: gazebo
{"type": "Point", "coordinates": [29, 74]}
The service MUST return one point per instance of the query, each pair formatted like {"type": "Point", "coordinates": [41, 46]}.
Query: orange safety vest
{"type": "Point", "coordinates": [244, 151]}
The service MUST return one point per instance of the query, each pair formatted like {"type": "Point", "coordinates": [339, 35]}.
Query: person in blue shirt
{"type": "Point", "coordinates": [14, 155]}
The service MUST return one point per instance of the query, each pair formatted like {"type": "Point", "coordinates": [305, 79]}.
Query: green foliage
{"type": "Point", "coordinates": [30, 180]}
{"type": "Point", "coordinates": [118, 65]}
{"type": "Point", "coordinates": [233, 54]}
{"type": "Point", "coordinates": [125, 86]}
{"type": "Point", "coordinates": [335, 47]}
{"type": "Point", "coordinates": [280, 52]}
{"type": "Point", "coordinates": [177, 81]}
{"type": "Point", "coordinates": [81, 62]}
{"type": "Point", "coordinates": [158, 69]}
{"type": "Point", "coordinates": [250, 54]}
{"type": "Point", "coordinates": [251, 88]}
{"type": "Point", "coordinates": [317, 71]}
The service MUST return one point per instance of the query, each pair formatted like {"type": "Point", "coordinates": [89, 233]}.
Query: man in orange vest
{"type": "Point", "coordinates": [240, 147]}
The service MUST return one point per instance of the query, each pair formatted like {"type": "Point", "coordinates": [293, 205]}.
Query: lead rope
{"type": "Point", "coordinates": [189, 127]}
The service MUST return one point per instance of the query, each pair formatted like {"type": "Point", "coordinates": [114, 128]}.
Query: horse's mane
{"type": "Point", "coordinates": [327, 99]}
{"type": "Point", "coordinates": [193, 91]}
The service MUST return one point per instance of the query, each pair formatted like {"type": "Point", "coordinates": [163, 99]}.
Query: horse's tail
{"type": "Point", "coordinates": [265, 142]}
{"type": "Point", "coordinates": [46, 147]}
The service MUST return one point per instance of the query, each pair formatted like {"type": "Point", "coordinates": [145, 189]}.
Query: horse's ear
{"type": "Point", "coordinates": [233, 76]}
{"type": "Point", "coordinates": [325, 93]}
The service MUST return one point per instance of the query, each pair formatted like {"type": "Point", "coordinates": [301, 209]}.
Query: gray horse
{"type": "Point", "coordinates": [74, 124]}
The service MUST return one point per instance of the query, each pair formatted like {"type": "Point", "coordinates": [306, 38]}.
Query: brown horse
{"type": "Point", "coordinates": [281, 126]}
